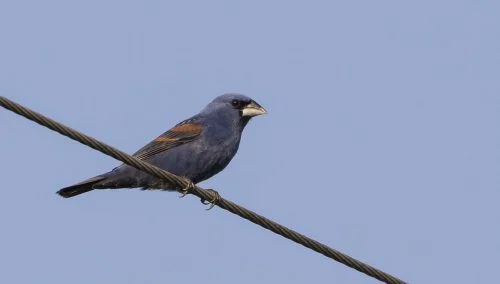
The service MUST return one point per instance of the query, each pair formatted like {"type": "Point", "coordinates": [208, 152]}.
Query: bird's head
{"type": "Point", "coordinates": [237, 106]}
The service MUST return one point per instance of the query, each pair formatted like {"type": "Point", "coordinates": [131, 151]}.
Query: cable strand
{"type": "Point", "coordinates": [203, 194]}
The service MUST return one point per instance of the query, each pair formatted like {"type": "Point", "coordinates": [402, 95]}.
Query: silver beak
{"type": "Point", "coordinates": [253, 109]}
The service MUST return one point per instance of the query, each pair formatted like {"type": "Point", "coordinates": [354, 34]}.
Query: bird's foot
{"type": "Point", "coordinates": [185, 191]}
{"type": "Point", "coordinates": [215, 199]}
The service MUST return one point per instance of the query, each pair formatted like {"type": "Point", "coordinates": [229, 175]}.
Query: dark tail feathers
{"type": "Point", "coordinates": [79, 188]}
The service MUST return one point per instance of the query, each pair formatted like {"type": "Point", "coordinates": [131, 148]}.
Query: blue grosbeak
{"type": "Point", "coordinates": [197, 148]}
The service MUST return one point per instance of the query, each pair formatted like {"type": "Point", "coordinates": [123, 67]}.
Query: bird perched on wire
{"type": "Point", "coordinates": [197, 148]}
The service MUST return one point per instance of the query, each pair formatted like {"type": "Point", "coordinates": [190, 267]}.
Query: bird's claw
{"type": "Point", "coordinates": [185, 191]}
{"type": "Point", "coordinates": [215, 199]}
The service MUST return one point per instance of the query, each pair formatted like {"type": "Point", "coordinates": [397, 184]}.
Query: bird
{"type": "Point", "coordinates": [196, 148]}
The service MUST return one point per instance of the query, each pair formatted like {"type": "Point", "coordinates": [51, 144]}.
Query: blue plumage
{"type": "Point", "coordinates": [196, 148]}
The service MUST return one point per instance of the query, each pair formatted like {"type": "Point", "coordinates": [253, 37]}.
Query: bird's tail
{"type": "Point", "coordinates": [79, 188]}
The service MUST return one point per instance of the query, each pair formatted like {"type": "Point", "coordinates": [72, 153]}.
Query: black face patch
{"type": "Point", "coordinates": [239, 104]}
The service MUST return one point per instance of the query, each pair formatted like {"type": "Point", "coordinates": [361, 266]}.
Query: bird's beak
{"type": "Point", "coordinates": [253, 109]}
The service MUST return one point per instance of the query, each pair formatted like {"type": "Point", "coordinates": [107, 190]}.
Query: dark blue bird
{"type": "Point", "coordinates": [197, 148]}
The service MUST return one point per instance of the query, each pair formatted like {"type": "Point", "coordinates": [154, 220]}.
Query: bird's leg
{"type": "Point", "coordinates": [216, 198]}
{"type": "Point", "coordinates": [190, 186]}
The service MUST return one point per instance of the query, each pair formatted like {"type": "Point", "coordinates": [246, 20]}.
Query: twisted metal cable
{"type": "Point", "coordinates": [204, 194]}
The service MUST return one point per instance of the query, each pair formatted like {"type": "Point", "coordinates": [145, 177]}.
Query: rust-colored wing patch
{"type": "Point", "coordinates": [165, 139]}
{"type": "Point", "coordinates": [187, 128]}
{"type": "Point", "coordinates": [182, 133]}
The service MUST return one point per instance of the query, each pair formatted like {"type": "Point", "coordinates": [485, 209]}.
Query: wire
{"type": "Point", "coordinates": [203, 194]}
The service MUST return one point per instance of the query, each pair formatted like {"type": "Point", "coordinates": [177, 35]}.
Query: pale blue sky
{"type": "Point", "coordinates": [382, 139]}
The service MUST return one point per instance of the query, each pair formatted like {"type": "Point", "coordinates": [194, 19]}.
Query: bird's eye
{"type": "Point", "coordinates": [236, 103]}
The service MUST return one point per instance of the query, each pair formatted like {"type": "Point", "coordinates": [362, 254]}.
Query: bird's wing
{"type": "Point", "coordinates": [182, 133]}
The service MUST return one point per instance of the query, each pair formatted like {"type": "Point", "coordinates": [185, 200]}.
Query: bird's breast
{"type": "Point", "coordinates": [214, 152]}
